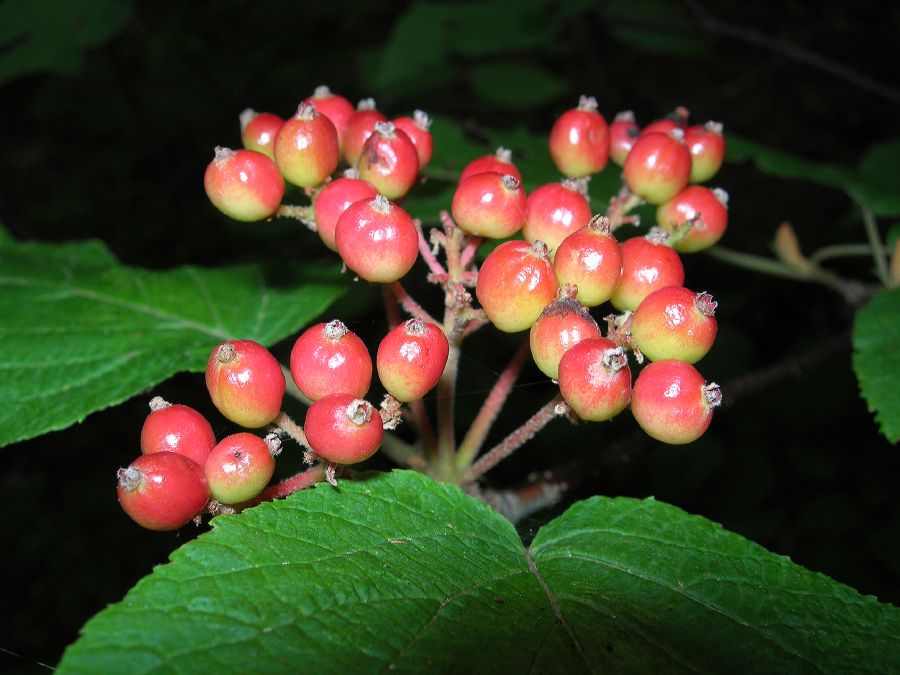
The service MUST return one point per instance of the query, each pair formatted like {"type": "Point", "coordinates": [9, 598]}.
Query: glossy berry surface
{"type": "Point", "coordinates": [500, 162]}
{"type": "Point", "coordinates": [418, 128]}
{"type": "Point", "coordinates": [595, 380]}
{"type": "Point", "coordinates": [646, 266]}
{"type": "Point", "coordinates": [706, 143]}
{"type": "Point", "coordinates": [328, 358]}
{"type": "Point", "coordinates": [333, 199]}
{"type": "Point", "coordinates": [672, 402]}
{"type": "Point", "coordinates": [562, 325]}
{"type": "Point", "coordinates": [579, 140]}
{"type": "Point", "coordinates": [243, 184]}
{"type": "Point", "coordinates": [334, 106]}
{"type": "Point", "coordinates": [177, 428]}
{"type": "Point", "coordinates": [708, 211]}
{"type": "Point", "coordinates": [343, 429]}
{"type": "Point", "coordinates": [306, 148]}
{"type": "Point", "coordinates": [411, 359]}
{"type": "Point", "coordinates": [258, 131]}
{"type": "Point", "coordinates": [657, 167]}
{"type": "Point", "coordinates": [489, 205]}
{"type": "Point", "coordinates": [623, 132]}
{"type": "Point", "coordinates": [675, 323]}
{"type": "Point", "coordinates": [515, 283]}
{"type": "Point", "coordinates": [389, 161]}
{"type": "Point", "coordinates": [554, 211]}
{"type": "Point", "coordinates": [377, 240]}
{"type": "Point", "coordinates": [239, 468]}
{"type": "Point", "coordinates": [677, 119]}
{"type": "Point", "coordinates": [245, 383]}
{"type": "Point", "coordinates": [359, 127]}
{"type": "Point", "coordinates": [591, 260]}
{"type": "Point", "coordinates": [163, 490]}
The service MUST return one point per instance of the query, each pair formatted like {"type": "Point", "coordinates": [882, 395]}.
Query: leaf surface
{"type": "Point", "coordinates": [876, 359]}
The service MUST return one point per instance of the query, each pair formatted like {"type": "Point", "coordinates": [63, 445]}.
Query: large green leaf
{"type": "Point", "coordinates": [876, 359]}
{"type": "Point", "coordinates": [394, 572]}
{"type": "Point", "coordinates": [80, 332]}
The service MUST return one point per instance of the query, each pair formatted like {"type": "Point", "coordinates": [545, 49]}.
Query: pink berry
{"type": "Point", "coordinates": [708, 211]}
{"type": "Point", "coordinates": [579, 140]}
{"type": "Point", "coordinates": [343, 429]}
{"type": "Point", "coordinates": [359, 127]}
{"type": "Point", "coordinates": [243, 184]}
{"type": "Point", "coordinates": [675, 323]}
{"type": "Point", "coordinates": [515, 283]}
{"type": "Point", "coordinates": [590, 259]}
{"type": "Point", "coordinates": [418, 128]}
{"type": "Point", "coordinates": [554, 211]}
{"type": "Point", "coordinates": [177, 428]}
{"type": "Point", "coordinates": [623, 132]}
{"type": "Point", "coordinates": [306, 147]}
{"type": "Point", "coordinates": [672, 402]}
{"type": "Point", "coordinates": [240, 467]}
{"type": "Point", "coordinates": [334, 106]}
{"type": "Point", "coordinates": [658, 166]}
{"type": "Point", "coordinates": [411, 359]}
{"type": "Point", "coordinates": [377, 240]}
{"type": "Point", "coordinates": [594, 379]}
{"type": "Point", "coordinates": [328, 358]}
{"type": "Point", "coordinates": [677, 119]}
{"type": "Point", "coordinates": [500, 162]}
{"type": "Point", "coordinates": [245, 383]}
{"type": "Point", "coordinates": [562, 325]}
{"type": "Point", "coordinates": [163, 490]}
{"type": "Point", "coordinates": [389, 161]}
{"type": "Point", "coordinates": [333, 199]}
{"type": "Point", "coordinates": [258, 131]}
{"type": "Point", "coordinates": [707, 147]}
{"type": "Point", "coordinates": [647, 264]}
{"type": "Point", "coordinates": [489, 205]}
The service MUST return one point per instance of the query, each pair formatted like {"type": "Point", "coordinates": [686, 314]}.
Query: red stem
{"type": "Point", "coordinates": [289, 486]}
{"type": "Point", "coordinates": [433, 264]}
{"type": "Point", "coordinates": [292, 429]}
{"type": "Point", "coordinates": [411, 306]}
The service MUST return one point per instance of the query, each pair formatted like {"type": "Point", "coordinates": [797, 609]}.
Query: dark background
{"type": "Point", "coordinates": [111, 111]}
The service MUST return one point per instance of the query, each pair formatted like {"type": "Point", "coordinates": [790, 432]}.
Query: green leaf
{"type": "Point", "coordinates": [515, 85]}
{"type": "Point", "coordinates": [80, 332]}
{"type": "Point", "coordinates": [395, 572]}
{"type": "Point", "coordinates": [876, 359]}
{"type": "Point", "coordinates": [878, 172]}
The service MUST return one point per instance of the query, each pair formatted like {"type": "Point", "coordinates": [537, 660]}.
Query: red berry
{"type": "Point", "coordinates": [647, 264]}
{"type": "Point", "coordinates": [489, 205]}
{"type": "Point", "coordinates": [243, 184]}
{"type": "Point", "coordinates": [594, 379]}
{"type": "Point", "coordinates": [258, 131]}
{"type": "Point", "coordinates": [163, 490]}
{"type": "Point", "coordinates": [240, 467]}
{"type": "Point", "coordinates": [245, 383]}
{"type": "Point", "coordinates": [515, 283]}
{"type": "Point", "coordinates": [707, 147]}
{"type": "Point", "coordinates": [623, 132]}
{"type": "Point", "coordinates": [335, 107]}
{"type": "Point", "coordinates": [377, 239]}
{"type": "Point", "coordinates": [658, 166]}
{"type": "Point", "coordinates": [333, 199]}
{"type": "Point", "coordinates": [672, 402]}
{"type": "Point", "coordinates": [562, 325]}
{"type": "Point", "coordinates": [556, 210]}
{"type": "Point", "coordinates": [677, 119]}
{"type": "Point", "coordinates": [579, 140]}
{"type": "Point", "coordinates": [389, 161]}
{"type": "Point", "coordinates": [343, 429]}
{"type": "Point", "coordinates": [417, 128]}
{"type": "Point", "coordinates": [675, 323]}
{"type": "Point", "coordinates": [359, 127]}
{"type": "Point", "coordinates": [411, 359]}
{"type": "Point", "coordinates": [328, 358]}
{"type": "Point", "coordinates": [591, 260]}
{"type": "Point", "coordinates": [177, 428]}
{"type": "Point", "coordinates": [500, 162]}
{"type": "Point", "coordinates": [708, 209]}
{"type": "Point", "coordinates": [306, 147]}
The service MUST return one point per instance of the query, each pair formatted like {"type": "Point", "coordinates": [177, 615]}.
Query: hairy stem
{"type": "Point", "coordinates": [427, 255]}
{"type": "Point", "coordinates": [304, 214]}
{"type": "Point", "coordinates": [412, 307]}
{"type": "Point", "coordinates": [289, 486]}
{"type": "Point", "coordinates": [446, 402]}
{"type": "Point", "coordinates": [878, 252]}
{"type": "Point", "coordinates": [292, 429]}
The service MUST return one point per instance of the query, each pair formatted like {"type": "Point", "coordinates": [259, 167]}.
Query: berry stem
{"type": "Point", "coordinates": [390, 306]}
{"type": "Point", "coordinates": [427, 254]}
{"type": "Point", "coordinates": [289, 486]}
{"type": "Point", "coordinates": [468, 253]}
{"type": "Point", "coordinates": [423, 425]}
{"type": "Point", "coordinates": [446, 401]}
{"type": "Point", "coordinates": [412, 307]}
{"type": "Point", "coordinates": [292, 429]}
{"type": "Point", "coordinates": [620, 206]}
{"type": "Point", "coordinates": [304, 214]}
{"type": "Point", "coordinates": [878, 249]}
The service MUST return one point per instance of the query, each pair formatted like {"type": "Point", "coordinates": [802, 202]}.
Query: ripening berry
{"type": "Point", "coordinates": [515, 283]}
{"type": "Point", "coordinates": [647, 264]}
{"type": "Point", "coordinates": [258, 131]}
{"type": "Point", "coordinates": [563, 324]}
{"type": "Point", "coordinates": [360, 126]}
{"type": "Point", "coordinates": [708, 211]}
{"type": "Point", "coordinates": [334, 106]}
{"type": "Point", "coordinates": [707, 147]}
{"type": "Point", "coordinates": [579, 140]}
{"type": "Point", "coordinates": [556, 210]}
{"type": "Point", "coordinates": [245, 383]}
{"type": "Point", "coordinates": [591, 260]}
{"type": "Point", "coordinates": [489, 205]}
{"type": "Point", "coordinates": [243, 184]}
{"type": "Point", "coordinates": [500, 162]}
{"type": "Point", "coordinates": [163, 490]}
{"type": "Point", "coordinates": [328, 358]}
{"type": "Point", "coordinates": [389, 161]}
{"type": "Point", "coordinates": [333, 199]}
{"type": "Point", "coordinates": [177, 428]}
{"type": "Point", "coordinates": [658, 166]}
{"type": "Point", "coordinates": [306, 148]}
{"type": "Point", "coordinates": [677, 119]}
{"type": "Point", "coordinates": [595, 380]}
{"type": "Point", "coordinates": [418, 128]}
{"type": "Point", "coordinates": [343, 429]}
{"type": "Point", "coordinates": [675, 323]}
{"type": "Point", "coordinates": [240, 467]}
{"type": "Point", "coordinates": [672, 402]}
{"type": "Point", "coordinates": [411, 359]}
{"type": "Point", "coordinates": [623, 132]}
{"type": "Point", "coordinates": [377, 240]}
